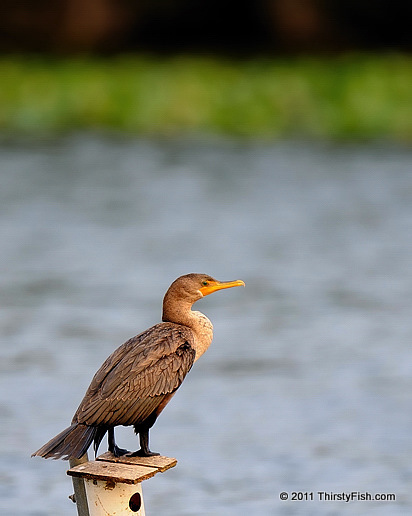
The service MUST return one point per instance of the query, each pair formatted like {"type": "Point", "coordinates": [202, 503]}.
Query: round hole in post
{"type": "Point", "coordinates": [135, 502]}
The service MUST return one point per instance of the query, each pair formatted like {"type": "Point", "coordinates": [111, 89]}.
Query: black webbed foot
{"type": "Point", "coordinates": [143, 453]}
{"type": "Point", "coordinates": [118, 452]}
{"type": "Point", "coordinates": [144, 444]}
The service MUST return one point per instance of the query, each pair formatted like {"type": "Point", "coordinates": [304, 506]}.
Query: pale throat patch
{"type": "Point", "coordinates": [203, 333]}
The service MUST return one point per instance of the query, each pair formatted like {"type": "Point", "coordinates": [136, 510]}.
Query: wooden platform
{"type": "Point", "coordinates": [125, 470]}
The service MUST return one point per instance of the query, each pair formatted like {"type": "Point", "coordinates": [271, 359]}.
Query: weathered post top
{"type": "Point", "coordinates": [113, 483]}
{"type": "Point", "coordinates": [126, 470]}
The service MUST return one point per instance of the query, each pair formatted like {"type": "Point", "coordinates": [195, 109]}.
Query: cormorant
{"type": "Point", "coordinates": [137, 381]}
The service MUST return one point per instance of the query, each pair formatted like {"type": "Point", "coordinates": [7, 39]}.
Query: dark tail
{"type": "Point", "coordinates": [72, 443]}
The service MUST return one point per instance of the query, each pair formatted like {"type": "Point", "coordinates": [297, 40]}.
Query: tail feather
{"type": "Point", "coordinates": [71, 443]}
{"type": "Point", "coordinates": [100, 433]}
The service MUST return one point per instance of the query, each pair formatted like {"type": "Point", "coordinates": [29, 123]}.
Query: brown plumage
{"type": "Point", "coordinates": [136, 381]}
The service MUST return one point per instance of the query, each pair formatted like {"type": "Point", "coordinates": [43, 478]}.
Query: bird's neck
{"type": "Point", "coordinates": [200, 325]}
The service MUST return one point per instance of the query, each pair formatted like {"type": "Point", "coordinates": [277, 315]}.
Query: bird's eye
{"type": "Point", "coordinates": [204, 283]}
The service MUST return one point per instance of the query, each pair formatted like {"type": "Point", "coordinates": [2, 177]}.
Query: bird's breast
{"type": "Point", "coordinates": [203, 331]}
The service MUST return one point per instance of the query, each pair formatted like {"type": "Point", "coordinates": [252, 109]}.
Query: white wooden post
{"type": "Point", "coordinates": [113, 485]}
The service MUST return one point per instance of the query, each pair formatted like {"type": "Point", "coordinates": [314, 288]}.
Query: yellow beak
{"type": "Point", "coordinates": [213, 286]}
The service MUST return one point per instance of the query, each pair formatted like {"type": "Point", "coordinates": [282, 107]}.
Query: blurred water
{"type": "Point", "coordinates": [307, 386]}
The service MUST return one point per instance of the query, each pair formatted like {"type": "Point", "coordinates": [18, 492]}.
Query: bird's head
{"type": "Point", "coordinates": [192, 287]}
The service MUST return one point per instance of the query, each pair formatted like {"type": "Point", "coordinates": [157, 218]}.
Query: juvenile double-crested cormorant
{"type": "Point", "coordinates": [136, 382]}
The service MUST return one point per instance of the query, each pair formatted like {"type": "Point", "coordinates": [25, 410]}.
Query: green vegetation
{"type": "Point", "coordinates": [343, 97]}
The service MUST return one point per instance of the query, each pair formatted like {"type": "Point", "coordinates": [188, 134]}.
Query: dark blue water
{"type": "Point", "coordinates": [307, 385]}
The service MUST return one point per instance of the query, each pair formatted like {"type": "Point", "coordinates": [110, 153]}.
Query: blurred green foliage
{"type": "Point", "coordinates": [351, 97]}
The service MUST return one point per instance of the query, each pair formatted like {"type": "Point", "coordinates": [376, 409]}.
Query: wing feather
{"type": "Point", "coordinates": [134, 379]}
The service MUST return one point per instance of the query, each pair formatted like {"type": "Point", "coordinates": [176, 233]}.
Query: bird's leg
{"type": "Point", "coordinates": [144, 446]}
{"type": "Point", "coordinates": [117, 452]}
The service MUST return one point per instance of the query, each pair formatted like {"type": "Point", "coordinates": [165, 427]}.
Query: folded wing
{"type": "Point", "coordinates": [138, 376]}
